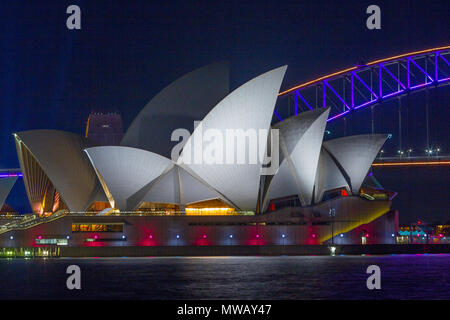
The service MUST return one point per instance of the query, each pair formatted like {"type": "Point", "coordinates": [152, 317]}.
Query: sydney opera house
{"type": "Point", "coordinates": [137, 193]}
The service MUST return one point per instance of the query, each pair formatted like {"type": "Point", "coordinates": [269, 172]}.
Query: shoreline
{"type": "Point", "coordinates": [192, 251]}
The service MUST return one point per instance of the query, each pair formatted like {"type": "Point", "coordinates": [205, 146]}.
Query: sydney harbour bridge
{"type": "Point", "coordinates": [370, 86]}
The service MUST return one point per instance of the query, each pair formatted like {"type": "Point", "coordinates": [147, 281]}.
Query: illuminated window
{"type": "Point", "coordinates": [213, 207]}
{"type": "Point", "coordinates": [285, 202]}
{"type": "Point", "coordinates": [116, 227]}
{"type": "Point", "coordinates": [58, 242]}
{"type": "Point", "coordinates": [149, 208]}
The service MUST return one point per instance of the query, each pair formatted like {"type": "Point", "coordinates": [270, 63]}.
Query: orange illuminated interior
{"type": "Point", "coordinates": [213, 207]}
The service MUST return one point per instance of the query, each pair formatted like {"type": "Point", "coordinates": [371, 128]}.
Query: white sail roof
{"type": "Point", "coordinates": [123, 171]}
{"type": "Point", "coordinates": [175, 186]}
{"type": "Point", "coordinates": [249, 107]}
{"type": "Point", "coordinates": [282, 184]}
{"type": "Point", "coordinates": [178, 105]}
{"type": "Point", "coordinates": [328, 177]}
{"type": "Point", "coordinates": [60, 156]}
{"type": "Point", "coordinates": [300, 141]}
{"type": "Point", "coordinates": [355, 155]}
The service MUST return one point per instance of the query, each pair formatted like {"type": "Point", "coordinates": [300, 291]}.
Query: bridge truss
{"type": "Point", "coordinates": [369, 84]}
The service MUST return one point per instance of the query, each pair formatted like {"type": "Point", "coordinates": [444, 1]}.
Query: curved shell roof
{"type": "Point", "coordinates": [140, 170]}
{"type": "Point", "coordinates": [176, 186]}
{"type": "Point", "coordinates": [282, 184]}
{"type": "Point", "coordinates": [312, 167]}
{"type": "Point", "coordinates": [328, 177]}
{"type": "Point", "coordinates": [185, 100]}
{"type": "Point", "coordinates": [248, 107]}
{"type": "Point", "coordinates": [60, 155]}
{"type": "Point", "coordinates": [300, 141]}
{"type": "Point", "coordinates": [123, 171]}
{"type": "Point", "coordinates": [355, 154]}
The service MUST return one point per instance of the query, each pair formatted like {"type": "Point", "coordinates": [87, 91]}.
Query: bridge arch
{"type": "Point", "coordinates": [369, 84]}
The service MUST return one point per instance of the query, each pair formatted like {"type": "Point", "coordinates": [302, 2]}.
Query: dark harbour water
{"type": "Point", "coordinates": [310, 277]}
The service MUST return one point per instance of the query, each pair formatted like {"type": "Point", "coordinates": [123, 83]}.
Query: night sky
{"type": "Point", "coordinates": [127, 51]}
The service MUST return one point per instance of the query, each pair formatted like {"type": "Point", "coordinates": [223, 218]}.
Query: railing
{"type": "Point", "coordinates": [155, 213]}
{"type": "Point", "coordinates": [31, 220]}
{"type": "Point", "coordinates": [406, 160]}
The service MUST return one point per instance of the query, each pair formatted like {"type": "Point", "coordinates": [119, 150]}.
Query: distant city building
{"type": "Point", "coordinates": [442, 230]}
{"type": "Point", "coordinates": [104, 128]}
{"type": "Point", "coordinates": [421, 233]}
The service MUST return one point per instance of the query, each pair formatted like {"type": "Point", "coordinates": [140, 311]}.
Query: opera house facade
{"type": "Point", "coordinates": [139, 194]}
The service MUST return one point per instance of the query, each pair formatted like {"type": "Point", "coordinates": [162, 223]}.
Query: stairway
{"type": "Point", "coordinates": [31, 221]}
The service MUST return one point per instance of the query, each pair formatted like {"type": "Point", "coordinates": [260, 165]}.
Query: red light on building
{"type": "Point", "coordinates": [344, 193]}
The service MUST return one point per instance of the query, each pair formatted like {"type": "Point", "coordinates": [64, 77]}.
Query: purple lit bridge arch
{"type": "Point", "coordinates": [369, 84]}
